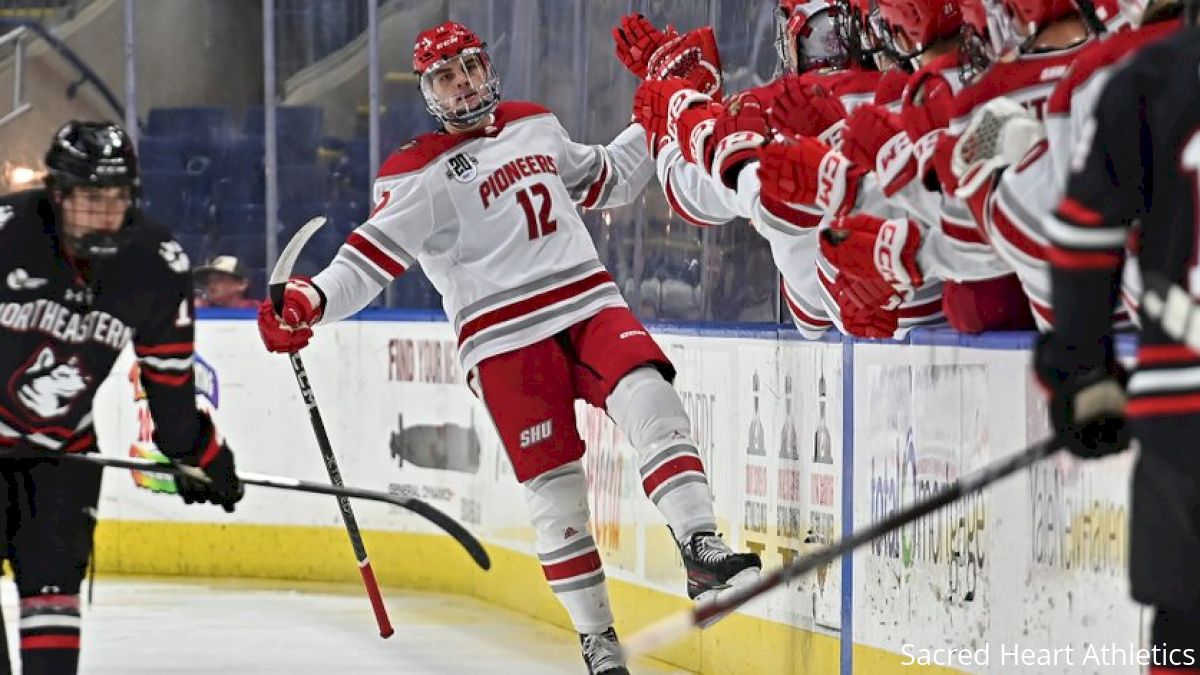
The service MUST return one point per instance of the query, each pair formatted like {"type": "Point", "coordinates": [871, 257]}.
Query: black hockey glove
{"type": "Point", "coordinates": [209, 472]}
{"type": "Point", "coordinates": [1086, 396]}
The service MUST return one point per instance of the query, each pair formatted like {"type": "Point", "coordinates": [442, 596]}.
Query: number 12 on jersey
{"type": "Point", "coordinates": [541, 224]}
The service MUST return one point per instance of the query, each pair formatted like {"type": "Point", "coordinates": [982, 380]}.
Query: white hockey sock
{"type": "Point", "coordinates": [647, 408]}
{"type": "Point", "coordinates": [558, 507]}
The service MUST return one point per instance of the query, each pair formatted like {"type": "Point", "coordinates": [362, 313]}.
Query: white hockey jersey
{"type": "Point", "coordinates": [491, 218]}
{"type": "Point", "coordinates": [1024, 200]}
{"type": "Point", "coordinates": [1027, 79]}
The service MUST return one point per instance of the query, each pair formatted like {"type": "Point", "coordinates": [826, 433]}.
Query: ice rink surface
{"type": "Point", "coordinates": [205, 626]}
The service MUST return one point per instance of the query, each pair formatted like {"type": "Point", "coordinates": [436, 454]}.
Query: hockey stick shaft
{"type": "Point", "coordinates": [452, 527]}
{"type": "Point", "coordinates": [277, 283]}
{"type": "Point", "coordinates": [335, 477]}
{"type": "Point", "coordinates": [677, 625]}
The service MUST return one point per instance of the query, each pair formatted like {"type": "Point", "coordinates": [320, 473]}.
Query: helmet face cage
{"type": "Point", "coordinates": [983, 45]}
{"type": "Point", "coordinates": [456, 108]}
{"type": "Point", "coordinates": [820, 46]}
{"type": "Point", "coordinates": [905, 47]}
{"type": "Point", "coordinates": [855, 35]}
{"type": "Point", "coordinates": [976, 53]}
{"type": "Point", "coordinates": [783, 44]}
{"type": "Point", "coordinates": [808, 42]}
{"type": "Point", "coordinates": [1091, 16]}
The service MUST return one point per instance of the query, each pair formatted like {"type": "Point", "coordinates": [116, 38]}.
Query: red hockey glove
{"type": "Point", "coordinates": [926, 118]}
{"type": "Point", "coordinates": [943, 160]}
{"type": "Point", "coordinates": [692, 56]}
{"type": "Point", "coordinates": [801, 109]}
{"type": "Point", "coordinates": [863, 316]}
{"type": "Point", "coordinates": [880, 253]}
{"type": "Point", "coordinates": [874, 138]}
{"type": "Point", "coordinates": [807, 172]}
{"type": "Point", "coordinates": [291, 328]}
{"type": "Point", "coordinates": [693, 127]}
{"type": "Point", "coordinates": [928, 110]}
{"type": "Point", "coordinates": [738, 132]}
{"type": "Point", "coordinates": [999, 134]}
{"type": "Point", "coordinates": [652, 107]}
{"type": "Point", "coordinates": [636, 40]}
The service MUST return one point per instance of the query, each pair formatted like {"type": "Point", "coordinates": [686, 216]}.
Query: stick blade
{"type": "Point", "coordinates": [453, 528]}
{"type": "Point", "coordinates": [659, 634]}
{"type": "Point", "coordinates": [291, 252]}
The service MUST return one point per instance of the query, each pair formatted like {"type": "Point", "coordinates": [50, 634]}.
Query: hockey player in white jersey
{"type": "Point", "coordinates": [487, 207]}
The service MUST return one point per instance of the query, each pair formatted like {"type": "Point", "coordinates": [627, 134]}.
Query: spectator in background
{"type": "Point", "coordinates": [223, 283]}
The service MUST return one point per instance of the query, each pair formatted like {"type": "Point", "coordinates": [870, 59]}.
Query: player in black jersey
{"type": "Point", "coordinates": [82, 274]}
{"type": "Point", "coordinates": [1137, 169]}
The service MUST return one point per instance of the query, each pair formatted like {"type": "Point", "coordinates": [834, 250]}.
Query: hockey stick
{"type": "Point", "coordinates": [677, 625]}
{"type": "Point", "coordinates": [279, 278]}
{"type": "Point", "coordinates": [449, 525]}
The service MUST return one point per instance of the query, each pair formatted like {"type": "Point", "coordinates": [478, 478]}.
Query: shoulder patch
{"type": "Point", "coordinates": [175, 257]}
{"type": "Point", "coordinates": [420, 152]}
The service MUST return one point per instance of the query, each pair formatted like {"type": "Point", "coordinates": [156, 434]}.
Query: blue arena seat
{"type": "Point", "coordinates": [299, 130]}
{"type": "Point", "coordinates": [303, 182]}
{"type": "Point", "coordinates": [240, 219]}
{"type": "Point", "coordinates": [209, 124]}
{"type": "Point", "coordinates": [250, 249]}
{"type": "Point", "coordinates": [177, 198]}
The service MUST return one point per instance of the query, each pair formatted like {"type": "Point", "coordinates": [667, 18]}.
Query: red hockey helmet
{"type": "Point", "coordinates": [1035, 15]}
{"type": "Point", "coordinates": [974, 15]}
{"type": "Point", "coordinates": [914, 25]}
{"type": "Point", "coordinates": [805, 36]}
{"type": "Point", "coordinates": [458, 81]}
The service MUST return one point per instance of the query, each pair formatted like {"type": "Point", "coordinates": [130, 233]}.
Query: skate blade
{"type": "Point", "coordinates": [743, 578]}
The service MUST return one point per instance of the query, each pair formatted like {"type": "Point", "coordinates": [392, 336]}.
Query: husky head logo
{"type": "Point", "coordinates": [48, 387]}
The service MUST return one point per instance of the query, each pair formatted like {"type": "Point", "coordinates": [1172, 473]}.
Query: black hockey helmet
{"type": "Point", "coordinates": [96, 155]}
{"type": "Point", "coordinates": [92, 154]}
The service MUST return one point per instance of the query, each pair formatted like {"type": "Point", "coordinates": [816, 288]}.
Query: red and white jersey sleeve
{"type": "Point", "coordinates": [491, 218]}
{"type": "Point", "coordinates": [956, 249]}
{"type": "Point", "coordinates": [701, 200]}
{"type": "Point", "coordinates": [1023, 198]}
{"type": "Point", "coordinates": [690, 191]}
{"type": "Point", "coordinates": [603, 176]}
{"type": "Point", "coordinates": [380, 249]}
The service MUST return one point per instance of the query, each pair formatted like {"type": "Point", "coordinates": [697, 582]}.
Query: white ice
{"type": "Point", "coordinates": [203, 626]}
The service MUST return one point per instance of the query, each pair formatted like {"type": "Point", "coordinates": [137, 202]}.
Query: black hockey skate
{"type": "Point", "coordinates": [602, 653]}
{"type": "Point", "coordinates": [713, 567]}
